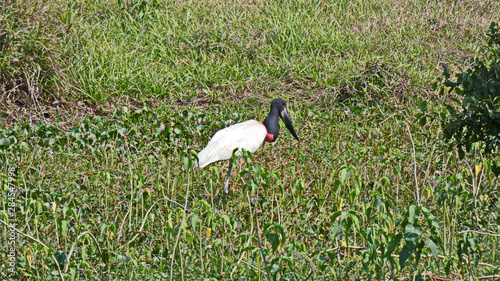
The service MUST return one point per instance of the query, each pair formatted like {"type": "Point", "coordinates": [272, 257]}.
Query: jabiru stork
{"type": "Point", "coordinates": [248, 135]}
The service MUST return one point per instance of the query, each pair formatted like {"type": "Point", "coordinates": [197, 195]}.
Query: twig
{"type": "Point", "coordinates": [489, 276]}
{"type": "Point", "coordinates": [479, 232]}
{"type": "Point", "coordinates": [349, 247]}
{"type": "Point", "coordinates": [251, 265]}
{"type": "Point", "coordinates": [455, 60]}
{"type": "Point", "coordinates": [33, 90]}
{"type": "Point", "coordinates": [379, 252]}
{"type": "Point", "coordinates": [489, 265]}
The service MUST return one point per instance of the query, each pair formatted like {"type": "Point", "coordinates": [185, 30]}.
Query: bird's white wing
{"type": "Point", "coordinates": [248, 135]}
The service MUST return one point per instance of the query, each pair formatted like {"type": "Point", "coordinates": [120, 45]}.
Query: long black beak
{"type": "Point", "coordinates": [288, 123]}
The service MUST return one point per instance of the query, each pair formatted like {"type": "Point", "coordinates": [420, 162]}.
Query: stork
{"type": "Point", "coordinates": [248, 135]}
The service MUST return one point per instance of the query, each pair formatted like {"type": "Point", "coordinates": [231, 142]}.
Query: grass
{"type": "Point", "coordinates": [96, 160]}
{"type": "Point", "coordinates": [146, 50]}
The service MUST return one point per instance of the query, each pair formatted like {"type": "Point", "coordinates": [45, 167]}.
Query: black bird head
{"type": "Point", "coordinates": [278, 108]}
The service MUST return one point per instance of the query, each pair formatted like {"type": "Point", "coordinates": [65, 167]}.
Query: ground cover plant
{"type": "Point", "coordinates": [105, 103]}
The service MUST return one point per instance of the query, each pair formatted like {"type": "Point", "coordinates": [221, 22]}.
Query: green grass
{"type": "Point", "coordinates": [104, 184]}
{"type": "Point", "coordinates": [178, 51]}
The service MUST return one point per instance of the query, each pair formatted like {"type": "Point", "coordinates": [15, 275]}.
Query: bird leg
{"type": "Point", "coordinates": [226, 183]}
{"type": "Point", "coordinates": [249, 173]}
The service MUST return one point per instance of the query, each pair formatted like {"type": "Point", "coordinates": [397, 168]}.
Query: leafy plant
{"type": "Point", "coordinates": [478, 119]}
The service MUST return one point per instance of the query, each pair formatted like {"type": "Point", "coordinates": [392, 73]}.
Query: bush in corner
{"type": "Point", "coordinates": [478, 119]}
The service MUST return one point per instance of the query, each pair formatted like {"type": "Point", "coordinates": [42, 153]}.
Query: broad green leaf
{"type": "Point", "coordinates": [64, 227]}
{"type": "Point", "coordinates": [249, 248]}
{"type": "Point", "coordinates": [422, 104]}
{"type": "Point", "coordinates": [226, 219]}
{"type": "Point", "coordinates": [357, 109]}
{"type": "Point", "coordinates": [412, 214]}
{"type": "Point", "coordinates": [60, 257]}
{"type": "Point", "coordinates": [206, 205]}
{"type": "Point", "coordinates": [195, 219]}
{"type": "Point", "coordinates": [393, 244]}
{"type": "Point", "coordinates": [274, 240]}
{"type": "Point", "coordinates": [122, 131]}
{"type": "Point", "coordinates": [422, 121]}
{"type": "Point", "coordinates": [344, 174]}
{"type": "Point", "coordinates": [4, 142]}
{"type": "Point", "coordinates": [274, 268]}
{"type": "Point", "coordinates": [472, 243]}
{"type": "Point", "coordinates": [412, 232]}
{"type": "Point", "coordinates": [432, 246]}
{"type": "Point", "coordinates": [405, 254]}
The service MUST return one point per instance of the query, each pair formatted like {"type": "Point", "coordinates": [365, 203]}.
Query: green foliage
{"type": "Point", "coordinates": [478, 119]}
{"type": "Point", "coordinates": [98, 51]}
{"type": "Point", "coordinates": [117, 194]}
{"type": "Point", "coordinates": [366, 195]}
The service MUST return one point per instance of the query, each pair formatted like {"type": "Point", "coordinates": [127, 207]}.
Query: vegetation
{"type": "Point", "coordinates": [105, 103]}
{"type": "Point", "coordinates": [478, 121]}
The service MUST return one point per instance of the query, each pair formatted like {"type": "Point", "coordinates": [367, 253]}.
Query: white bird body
{"type": "Point", "coordinates": [248, 135]}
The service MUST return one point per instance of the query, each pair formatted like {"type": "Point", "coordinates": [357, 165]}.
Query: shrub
{"type": "Point", "coordinates": [478, 119]}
